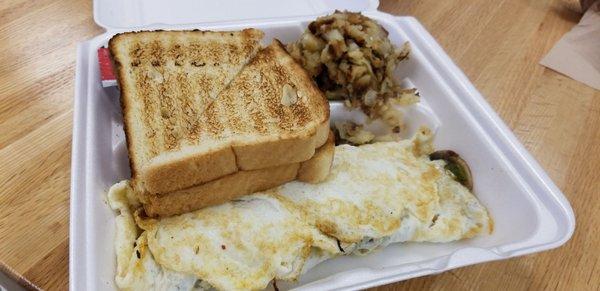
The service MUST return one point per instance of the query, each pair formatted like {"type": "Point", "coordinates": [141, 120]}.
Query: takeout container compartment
{"type": "Point", "coordinates": [530, 212]}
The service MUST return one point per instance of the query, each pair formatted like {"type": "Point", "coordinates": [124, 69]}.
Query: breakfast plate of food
{"type": "Point", "coordinates": [328, 150]}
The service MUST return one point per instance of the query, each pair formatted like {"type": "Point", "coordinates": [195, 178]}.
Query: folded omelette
{"type": "Point", "coordinates": [376, 194]}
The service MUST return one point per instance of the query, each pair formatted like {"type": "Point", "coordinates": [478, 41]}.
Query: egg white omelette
{"type": "Point", "coordinates": [376, 194]}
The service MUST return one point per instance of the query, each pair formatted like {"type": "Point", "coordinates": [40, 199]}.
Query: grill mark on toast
{"type": "Point", "coordinates": [301, 114]}
{"type": "Point", "coordinates": [201, 82]}
{"type": "Point", "coordinates": [148, 108]}
{"type": "Point", "coordinates": [173, 105]}
{"type": "Point", "coordinates": [202, 99]}
{"type": "Point", "coordinates": [148, 111]}
{"type": "Point", "coordinates": [177, 65]}
{"type": "Point", "coordinates": [287, 120]}
{"type": "Point", "coordinates": [190, 108]}
{"type": "Point", "coordinates": [256, 111]}
{"type": "Point", "coordinates": [259, 110]}
{"type": "Point", "coordinates": [271, 107]}
{"type": "Point", "coordinates": [277, 78]}
{"type": "Point", "coordinates": [237, 101]}
{"type": "Point", "coordinates": [169, 106]}
{"type": "Point", "coordinates": [183, 91]}
{"type": "Point", "coordinates": [213, 124]}
{"type": "Point", "coordinates": [231, 109]}
{"type": "Point", "coordinates": [266, 106]}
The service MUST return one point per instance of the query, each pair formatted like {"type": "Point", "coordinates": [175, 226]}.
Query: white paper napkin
{"type": "Point", "coordinates": [577, 53]}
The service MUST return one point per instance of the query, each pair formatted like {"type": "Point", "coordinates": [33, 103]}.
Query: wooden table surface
{"type": "Point", "coordinates": [497, 43]}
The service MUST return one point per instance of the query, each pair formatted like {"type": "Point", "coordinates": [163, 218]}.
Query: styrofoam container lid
{"type": "Point", "coordinates": [119, 14]}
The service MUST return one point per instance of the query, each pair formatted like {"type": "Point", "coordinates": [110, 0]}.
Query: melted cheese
{"type": "Point", "coordinates": [375, 195]}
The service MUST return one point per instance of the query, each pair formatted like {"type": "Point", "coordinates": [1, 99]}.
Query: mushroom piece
{"type": "Point", "coordinates": [456, 165]}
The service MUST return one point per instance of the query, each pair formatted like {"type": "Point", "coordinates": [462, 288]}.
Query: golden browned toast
{"type": "Point", "coordinates": [200, 105]}
{"type": "Point", "coordinates": [229, 187]}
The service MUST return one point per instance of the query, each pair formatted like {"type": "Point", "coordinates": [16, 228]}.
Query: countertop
{"type": "Point", "coordinates": [498, 44]}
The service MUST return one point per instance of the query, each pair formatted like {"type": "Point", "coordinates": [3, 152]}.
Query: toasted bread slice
{"type": "Point", "coordinates": [229, 187]}
{"type": "Point", "coordinates": [201, 105]}
{"type": "Point", "coordinates": [167, 79]}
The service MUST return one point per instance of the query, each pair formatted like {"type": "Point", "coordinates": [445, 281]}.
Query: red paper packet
{"type": "Point", "coordinates": [107, 74]}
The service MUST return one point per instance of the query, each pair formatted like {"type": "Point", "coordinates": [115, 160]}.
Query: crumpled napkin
{"type": "Point", "coordinates": [577, 53]}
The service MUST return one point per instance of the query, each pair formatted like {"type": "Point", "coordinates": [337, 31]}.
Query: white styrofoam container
{"type": "Point", "coordinates": [530, 212]}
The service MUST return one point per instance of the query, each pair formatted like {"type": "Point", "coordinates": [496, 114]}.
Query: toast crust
{"type": "Point", "coordinates": [240, 183]}
{"type": "Point", "coordinates": [316, 169]}
{"type": "Point", "coordinates": [200, 168]}
{"type": "Point", "coordinates": [273, 153]}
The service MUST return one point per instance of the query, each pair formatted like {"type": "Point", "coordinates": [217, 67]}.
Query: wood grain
{"type": "Point", "coordinates": [497, 43]}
